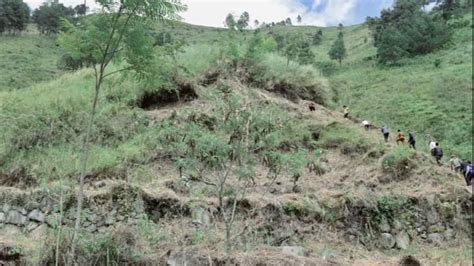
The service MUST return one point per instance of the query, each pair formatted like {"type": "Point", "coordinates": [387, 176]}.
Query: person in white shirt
{"type": "Point", "coordinates": [366, 124]}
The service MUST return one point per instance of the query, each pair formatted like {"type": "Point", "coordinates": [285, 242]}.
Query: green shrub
{"type": "Point", "coordinates": [293, 81]}
{"type": "Point", "coordinates": [348, 140]}
{"type": "Point", "coordinates": [399, 162]}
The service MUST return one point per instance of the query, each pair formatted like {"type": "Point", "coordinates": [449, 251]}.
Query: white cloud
{"type": "Point", "coordinates": [213, 12]}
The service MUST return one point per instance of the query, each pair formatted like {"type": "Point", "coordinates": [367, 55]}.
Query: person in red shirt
{"type": "Point", "coordinates": [312, 106]}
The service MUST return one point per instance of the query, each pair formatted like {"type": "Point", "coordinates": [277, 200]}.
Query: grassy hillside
{"type": "Point", "coordinates": [27, 59]}
{"type": "Point", "coordinates": [314, 181]}
{"type": "Point", "coordinates": [417, 95]}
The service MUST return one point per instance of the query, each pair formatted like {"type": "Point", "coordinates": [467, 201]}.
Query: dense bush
{"type": "Point", "coordinates": [14, 16]}
{"type": "Point", "coordinates": [399, 162]}
{"type": "Point", "coordinates": [48, 17]}
{"type": "Point", "coordinates": [348, 140]}
{"type": "Point", "coordinates": [406, 30]}
{"type": "Point", "coordinates": [293, 81]}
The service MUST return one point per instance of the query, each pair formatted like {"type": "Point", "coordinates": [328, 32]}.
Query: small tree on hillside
{"type": "Point", "coordinates": [243, 21]}
{"type": "Point", "coordinates": [119, 33]}
{"type": "Point", "coordinates": [316, 39]}
{"type": "Point", "coordinates": [256, 23]}
{"type": "Point", "coordinates": [298, 49]}
{"type": "Point", "coordinates": [48, 17]}
{"type": "Point", "coordinates": [288, 22]}
{"type": "Point", "coordinates": [230, 22]}
{"type": "Point", "coordinates": [80, 10]}
{"type": "Point", "coordinates": [14, 16]}
{"type": "Point", "coordinates": [299, 19]}
{"type": "Point", "coordinates": [338, 49]}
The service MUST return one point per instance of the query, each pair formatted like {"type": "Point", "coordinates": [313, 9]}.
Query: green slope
{"type": "Point", "coordinates": [416, 95]}
{"type": "Point", "coordinates": [27, 59]}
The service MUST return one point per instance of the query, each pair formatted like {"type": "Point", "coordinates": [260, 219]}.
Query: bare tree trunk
{"type": "Point", "coordinates": [58, 238]}
{"type": "Point", "coordinates": [83, 169]}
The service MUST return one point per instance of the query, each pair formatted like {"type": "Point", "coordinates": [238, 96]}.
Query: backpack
{"type": "Point", "coordinates": [469, 170]}
{"type": "Point", "coordinates": [439, 152]}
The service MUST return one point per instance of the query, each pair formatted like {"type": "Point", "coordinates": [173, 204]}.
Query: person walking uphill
{"type": "Point", "coordinates": [455, 163]}
{"type": "Point", "coordinates": [411, 140]}
{"type": "Point", "coordinates": [437, 152]}
{"type": "Point", "coordinates": [312, 106]}
{"type": "Point", "coordinates": [385, 132]}
{"type": "Point", "coordinates": [400, 137]}
{"type": "Point", "coordinates": [346, 111]}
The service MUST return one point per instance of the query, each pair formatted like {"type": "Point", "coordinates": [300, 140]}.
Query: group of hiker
{"type": "Point", "coordinates": [464, 167]}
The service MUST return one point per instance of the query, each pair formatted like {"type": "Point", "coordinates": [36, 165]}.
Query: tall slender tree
{"type": "Point", "coordinates": [338, 49]}
{"type": "Point", "coordinates": [118, 33]}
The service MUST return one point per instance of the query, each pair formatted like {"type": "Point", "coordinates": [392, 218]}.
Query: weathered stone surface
{"type": "Point", "coordinates": [201, 217]}
{"type": "Point", "coordinates": [16, 218]}
{"type": "Point", "coordinates": [110, 218]}
{"type": "Point", "coordinates": [436, 238]}
{"type": "Point", "coordinates": [32, 205]}
{"type": "Point", "coordinates": [23, 211]}
{"type": "Point", "coordinates": [31, 226]}
{"type": "Point", "coordinates": [6, 207]}
{"type": "Point", "coordinates": [36, 215]}
{"type": "Point", "coordinates": [402, 240]}
{"type": "Point", "coordinates": [46, 204]}
{"type": "Point", "coordinates": [431, 214]}
{"type": "Point", "coordinates": [91, 228]}
{"type": "Point", "coordinates": [92, 218]}
{"type": "Point", "coordinates": [449, 234]}
{"type": "Point", "coordinates": [10, 230]}
{"type": "Point", "coordinates": [384, 226]}
{"type": "Point", "coordinates": [293, 250]}
{"type": "Point", "coordinates": [386, 241]}
{"type": "Point", "coordinates": [3, 217]}
{"type": "Point", "coordinates": [102, 229]}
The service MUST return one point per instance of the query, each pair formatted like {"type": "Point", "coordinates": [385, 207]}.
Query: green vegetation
{"type": "Point", "coordinates": [415, 95]}
{"type": "Point", "coordinates": [27, 60]}
{"type": "Point", "coordinates": [211, 121]}
{"type": "Point", "coordinates": [338, 48]}
{"type": "Point", "coordinates": [349, 140]}
{"type": "Point", "coordinates": [14, 16]}
{"type": "Point", "coordinates": [48, 17]}
{"type": "Point", "coordinates": [399, 162]}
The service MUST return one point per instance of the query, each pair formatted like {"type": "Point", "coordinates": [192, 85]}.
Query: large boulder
{"type": "Point", "coordinates": [16, 218]}
{"type": "Point", "coordinates": [386, 241]}
{"type": "Point", "coordinates": [402, 240]}
{"type": "Point", "coordinates": [36, 215]}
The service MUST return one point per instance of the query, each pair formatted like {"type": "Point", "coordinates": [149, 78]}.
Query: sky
{"type": "Point", "coordinates": [313, 12]}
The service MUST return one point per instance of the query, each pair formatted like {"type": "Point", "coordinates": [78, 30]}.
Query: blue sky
{"type": "Point", "coordinates": [358, 13]}
{"type": "Point", "coordinates": [314, 12]}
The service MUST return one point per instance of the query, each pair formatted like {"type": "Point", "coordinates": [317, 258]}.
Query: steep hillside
{"type": "Point", "coordinates": [220, 162]}
{"type": "Point", "coordinates": [357, 201]}
{"type": "Point", "coordinates": [416, 95]}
